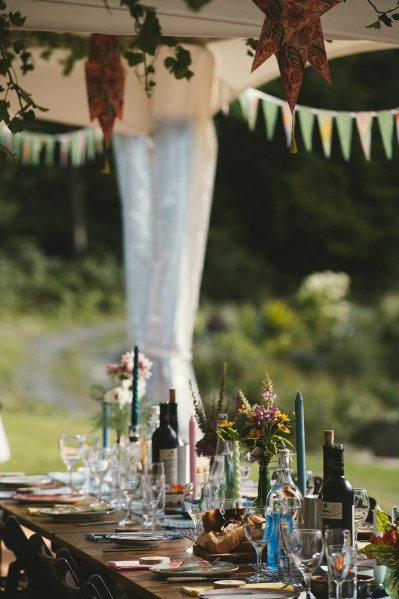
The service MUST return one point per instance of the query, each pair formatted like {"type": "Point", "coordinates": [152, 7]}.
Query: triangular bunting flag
{"type": "Point", "coordinates": [253, 103]}
{"type": "Point", "coordinates": [324, 119]}
{"type": "Point", "coordinates": [36, 149]}
{"type": "Point", "coordinates": [345, 127]}
{"type": "Point", "coordinates": [385, 122]}
{"type": "Point", "coordinates": [244, 104]}
{"type": "Point", "coordinates": [64, 150]}
{"type": "Point", "coordinates": [364, 121]}
{"type": "Point", "coordinates": [90, 145]}
{"type": "Point", "coordinates": [287, 121]}
{"type": "Point", "coordinates": [270, 112]}
{"type": "Point", "coordinates": [49, 151]}
{"type": "Point", "coordinates": [306, 121]}
{"type": "Point", "coordinates": [397, 125]}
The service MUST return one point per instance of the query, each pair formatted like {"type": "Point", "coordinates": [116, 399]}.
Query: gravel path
{"type": "Point", "coordinates": [40, 377]}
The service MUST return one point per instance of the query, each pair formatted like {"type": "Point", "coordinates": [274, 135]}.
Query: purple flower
{"type": "Point", "coordinates": [268, 394]}
{"type": "Point", "coordinates": [262, 415]}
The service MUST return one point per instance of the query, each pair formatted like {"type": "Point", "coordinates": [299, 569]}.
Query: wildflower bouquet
{"type": "Point", "coordinates": [118, 399]}
{"type": "Point", "coordinates": [384, 549]}
{"type": "Point", "coordinates": [259, 430]}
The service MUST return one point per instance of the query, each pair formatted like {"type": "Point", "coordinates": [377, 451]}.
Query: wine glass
{"type": "Point", "coordinates": [362, 506]}
{"type": "Point", "coordinates": [289, 518]}
{"type": "Point", "coordinates": [89, 440]}
{"type": "Point", "coordinates": [307, 552]}
{"type": "Point", "coordinates": [258, 527]}
{"type": "Point", "coordinates": [338, 561]}
{"type": "Point", "coordinates": [336, 536]}
{"type": "Point", "coordinates": [130, 473]}
{"type": "Point", "coordinates": [99, 462]}
{"type": "Point", "coordinates": [70, 453]}
{"type": "Point", "coordinates": [197, 500]}
{"type": "Point", "coordinates": [154, 488]}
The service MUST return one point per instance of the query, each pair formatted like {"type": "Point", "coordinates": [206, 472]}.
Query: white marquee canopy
{"type": "Point", "coordinates": [166, 149]}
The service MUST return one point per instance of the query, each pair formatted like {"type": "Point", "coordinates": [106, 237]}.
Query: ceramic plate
{"type": "Point", "coordinates": [249, 594]}
{"type": "Point", "coordinates": [25, 481]}
{"type": "Point", "coordinates": [207, 570]}
{"type": "Point", "coordinates": [76, 513]}
{"type": "Point", "coordinates": [137, 540]}
{"type": "Point", "coordinates": [32, 498]}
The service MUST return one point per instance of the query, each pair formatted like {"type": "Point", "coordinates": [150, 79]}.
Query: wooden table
{"type": "Point", "coordinates": [93, 557]}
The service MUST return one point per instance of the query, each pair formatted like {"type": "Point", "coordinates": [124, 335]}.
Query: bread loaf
{"type": "Point", "coordinates": [223, 541]}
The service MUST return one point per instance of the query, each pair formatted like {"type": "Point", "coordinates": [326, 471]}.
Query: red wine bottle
{"type": "Point", "coordinates": [337, 496]}
{"type": "Point", "coordinates": [164, 445]}
{"type": "Point", "coordinates": [327, 457]}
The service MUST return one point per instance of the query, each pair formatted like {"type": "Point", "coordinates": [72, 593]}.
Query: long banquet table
{"type": "Point", "coordinates": [93, 557]}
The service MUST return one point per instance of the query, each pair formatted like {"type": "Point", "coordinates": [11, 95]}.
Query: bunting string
{"type": "Point", "coordinates": [344, 121]}
{"type": "Point", "coordinates": [65, 149]}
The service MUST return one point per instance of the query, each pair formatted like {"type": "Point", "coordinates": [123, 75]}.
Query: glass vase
{"type": "Point", "coordinates": [391, 582]}
{"type": "Point", "coordinates": [263, 484]}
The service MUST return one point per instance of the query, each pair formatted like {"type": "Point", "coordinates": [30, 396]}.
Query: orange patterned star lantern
{"type": "Point", "coordinates": [292, 31]}
{"type": "Point", "coordinates": [105, 81]}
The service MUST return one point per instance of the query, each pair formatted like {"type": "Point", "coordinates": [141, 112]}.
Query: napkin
{"type": "Point", "coordinates": [127, 565]}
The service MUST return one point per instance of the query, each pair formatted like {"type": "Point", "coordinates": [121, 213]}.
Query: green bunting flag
{"type": "Point", "coordinates": [385, 122]}
{"type": "Point", "coordinates": [306, 121]}
{"type": "Point", "coordinates": [270, 113]}
{"type": "Point", "coordinates": [344, 123]}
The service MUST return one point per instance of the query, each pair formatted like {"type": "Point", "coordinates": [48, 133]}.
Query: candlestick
{"type": "Point", "coordinates": [106, 431]}
{"type": "Point", "coordinates": [192, 436]}
{"type": "Point", "coordinates": [237, 470]}
{"type": "Point", "coordinates": [300, 443]}
{"type": "Point", "coordinates": [135, 388]}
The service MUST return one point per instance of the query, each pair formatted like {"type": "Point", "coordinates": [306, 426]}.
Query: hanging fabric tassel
{"type": "Point", "coordinates": [293, 146]}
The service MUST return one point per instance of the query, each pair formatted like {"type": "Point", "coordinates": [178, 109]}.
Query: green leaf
{"type": "Point", "coordinates": [385, 19]}
{"type": "Point", "coordinates": [395, 16]}
{"type": "Point", "coordinates": [375, 25]}
{"type": "Point", "coordinates": [133, 58]}
{"type": "Point", "coordinates": [18, 46]}
{"type": "Point", "coordinates": [150, 36]}
{"type": "Point", "coordinates": [5, 64]}
{"type": "Point", "coordinates": [16, 19]}
{"type": "Point", "coordinates": [16, 125]}
{"type": "Point", "coordinates": [196, 4]}
{"type": "Point", "coordinates": [4, 106]}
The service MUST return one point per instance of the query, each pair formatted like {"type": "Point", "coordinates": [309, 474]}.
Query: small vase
{"type": "Point", "coordinates": [391, 582]}
{"type": "Point", "coordinates": [263, 484]}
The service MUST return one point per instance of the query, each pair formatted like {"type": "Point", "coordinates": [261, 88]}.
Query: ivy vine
{"type": "Point", "coordinates": [386, 17]}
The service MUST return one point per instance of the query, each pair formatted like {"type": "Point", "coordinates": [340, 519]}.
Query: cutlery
{"type": "Point", "coordinates": [185, 578]}
{"type": "Point", "coordinates": [97, 523]}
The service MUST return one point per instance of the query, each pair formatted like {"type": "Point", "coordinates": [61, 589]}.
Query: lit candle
{"type": "Point", "coordinates": [236, 470]}
{"type": "Point", "coordinates": [135, 384]}
{"type": "Point", "coordinates": [192, 436]}
{"type": "Point", "coordinates": [300, 443]}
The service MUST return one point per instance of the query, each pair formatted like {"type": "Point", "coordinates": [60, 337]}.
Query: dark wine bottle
{"type": "Point", "coordinates": [338, 504]}
{"type": "Point", "coordinates": [327, 457]}
{"type": "Point", "coordinates": [181, 448]}
{"type": "Point", "coordinates": [164, 445]}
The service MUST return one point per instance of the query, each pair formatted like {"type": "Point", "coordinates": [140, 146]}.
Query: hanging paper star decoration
{"type": "Point", "coordinates": [292, 31]}
{"type": "Point", "coordinates": [105, 81]}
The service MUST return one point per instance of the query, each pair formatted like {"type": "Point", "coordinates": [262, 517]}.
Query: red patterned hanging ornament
{"type": "Point", "coordinates": [292, 31]}
{"type": "Point", "coordinates": [105, 81]}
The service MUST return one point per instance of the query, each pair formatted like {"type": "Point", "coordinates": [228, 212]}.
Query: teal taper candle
{"type": "Point", "coordinates": [135, 398]}
{"type": "Point", "coordinates": [300, 443]}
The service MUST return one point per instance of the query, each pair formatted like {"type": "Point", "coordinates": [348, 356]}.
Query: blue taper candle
{"type": "Point", "coordinates": [106, 431]}
{"type": "Point", "coordinates": [300, 443]}
{"type": "Point", "coordinates": [135, 398]}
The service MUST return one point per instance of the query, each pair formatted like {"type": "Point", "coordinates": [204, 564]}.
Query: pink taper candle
{"type": "Point", "coordinates": [192, 435]}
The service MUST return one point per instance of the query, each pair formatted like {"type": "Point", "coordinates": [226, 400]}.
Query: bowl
{"type": "Point", "coordinates": [319, 586]}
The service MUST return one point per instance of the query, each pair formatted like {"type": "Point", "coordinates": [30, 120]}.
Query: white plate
{"type": "Point", "coordinates": [249, 594]}
{"type": "Point", "coordinates": [136, 540]}
{"type": "Point", "coordinates": [222, 569]}
{"type": "Point", "coordinates": [25, 481]}
{"type": "Point", "coordinates": [76, 513]}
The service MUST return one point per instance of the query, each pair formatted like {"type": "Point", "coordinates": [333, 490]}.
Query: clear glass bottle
{"type": "Point", "coordinates": [286, 493]}
{"type": "Point", "coordinates": [222, 470]}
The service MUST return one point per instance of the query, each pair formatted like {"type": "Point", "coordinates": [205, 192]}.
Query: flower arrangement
{"type": "Point", "coordinates": [259, 430]}
{"type": "Point", "coordinates": [384, 549]}
{"type": "Point", "coordinates": [206, 412]}
{"type": "Point", "coordinates": [118, 399]}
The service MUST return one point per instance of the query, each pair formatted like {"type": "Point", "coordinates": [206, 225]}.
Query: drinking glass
{"type": "Point", "coordinates": [362, 506]}
{"type": "Point", "coordinates": [89, 441]}
{"type": "Point", "coordinates": [307, 552]}
{"type": "Point", "coordinates": [198, 498]}
{"type": "Point", "coordinates": [99, 462]}
{"type": "Point", "coordinates": [154, 488]}
{"type": "Point", "coordinates": [338, 561]}
{"type": "Point", "coordinates": [336, 536]}
{"type": "Point", "coordinates": [130, 473]}
{"type": "Point", "coordinates": [258, 527]}
{"type": "Point", "coordinates": [289, 518]}
{"type": "Point", "coordinates": [70, 453]}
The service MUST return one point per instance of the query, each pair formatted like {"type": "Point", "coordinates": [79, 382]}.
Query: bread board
{"type": "Point", "coordinates": [236, 557]}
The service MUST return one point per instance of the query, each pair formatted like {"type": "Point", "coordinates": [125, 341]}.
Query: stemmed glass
{"type": "Point", "coordinates": [197, 501]}
{"type": "Point", "coordinates": [130, 473]}
{"type": "Point", "coordinates": [258, 527]}
{"type": "Point", "coordinates": [89, 441]}
{"type": "Point", "coordinates": [70, 453]}
{"type": "Point", "coordinates": [362, 506]}
{"type": "Point", "coordinates": [338, 561]}
{"type": "Point", "coordinates": [99, 462]}
{"type": "Point", "coordinates": [307, 552]}
{"type": "Point", "coordinates": [154, 488]}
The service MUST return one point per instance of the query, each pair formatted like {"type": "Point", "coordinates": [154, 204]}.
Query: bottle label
{"type": "Point", "coordinates": [332, 510]}
{"type": "Point", "coordinates": [169, 459]}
